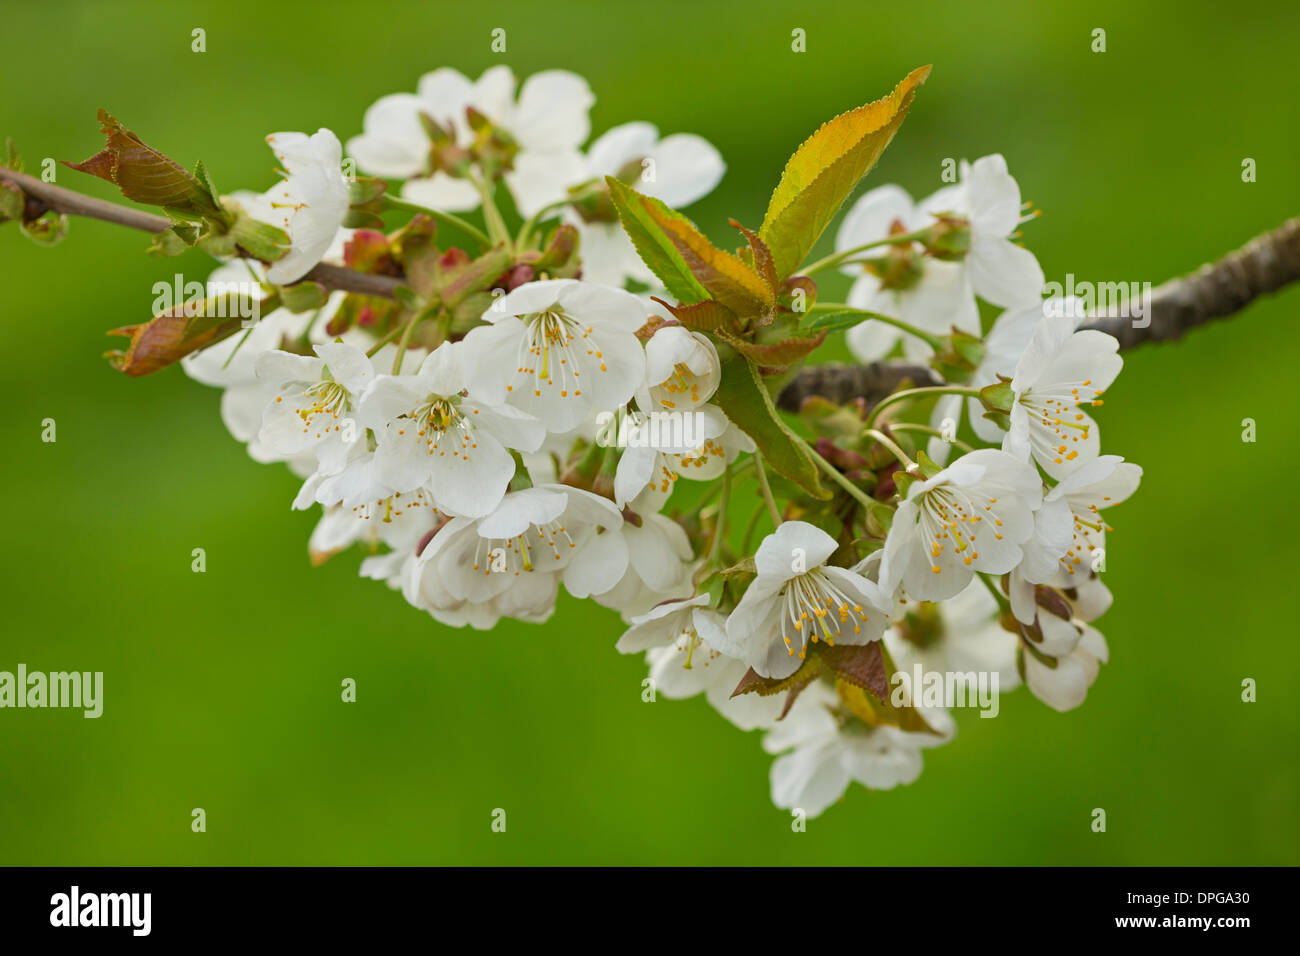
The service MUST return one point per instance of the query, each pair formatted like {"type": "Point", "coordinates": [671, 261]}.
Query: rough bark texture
{"type": "Point", "coordinates": [1214, 291]}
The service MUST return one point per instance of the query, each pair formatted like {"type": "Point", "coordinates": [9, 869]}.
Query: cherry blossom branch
{"type": "Point", "coordinates": [1215, 291]}
{"type": "Point", "coordinates": [43, 196]}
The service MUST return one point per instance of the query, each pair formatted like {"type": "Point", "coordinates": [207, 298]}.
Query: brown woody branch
{"type": "Point", "coordinates": [1214, 291]}
{"type": "Point", "coordinates": [1217, 290]}
{"type": "Point", "coordinates": [43, 197]}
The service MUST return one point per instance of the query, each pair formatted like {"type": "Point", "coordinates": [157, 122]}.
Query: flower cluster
{"type": "Point", "coordinates": [518, 414]}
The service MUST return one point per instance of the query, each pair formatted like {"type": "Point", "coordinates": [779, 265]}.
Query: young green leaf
{"type": "Point", "coordinates": [654, 246]}
{"type": "Point", "coordinates": [747, 402]}
{"type": "Point", "coordinates": [722, 275]}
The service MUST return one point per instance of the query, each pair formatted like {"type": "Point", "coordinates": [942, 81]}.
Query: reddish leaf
{"type": "Point", "coordinates": [707, 316]}
{"type": "Point", "coordinates": [861, 665]}
{"type": "Point", "coordinates": [775, 354]}
{"type": "Point", "coordinates": [146, 175]}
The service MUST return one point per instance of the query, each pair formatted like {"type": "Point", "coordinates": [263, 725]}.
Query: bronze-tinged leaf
{"type": "Point", "coordinates": [825, 170]}
{"type": "Point", "coordinates": [652, 244]}
{"type": "Point", "coordinates": [875, 712]}
{"type": "Point", "coordinates": [754, 683]}
{"type": "Point", "coordinates": [706, 316]}
{"type": "Point", "coordinates": [171, 335]}
{"type": "Point", "coordinates": [722, 275]}
{"type": "Point", "coordinates": [775, 354]}
{"type": "Point", "coordinates": [146, 175]}
{"type": "Point", "coordinates": [764, 264]}
{"type": "Point", "coordinates": [861, 665]}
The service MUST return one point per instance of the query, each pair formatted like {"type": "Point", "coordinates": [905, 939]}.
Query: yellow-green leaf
{"type": "Point", "coordinates": [825, 169]}
{"type": "Point", "coordinates": [723, 275]}
{"type": "Point", "coordinates": [653, 245]}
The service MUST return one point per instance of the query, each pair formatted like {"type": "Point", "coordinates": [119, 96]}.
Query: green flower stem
{"type": "Point", "coordinates": [388, 337]}
{"type": "Point", "coordinates": [525, 233]}
{"type": "Point", "coordinates": [749, 529]}
{"type": "Point", "coordinates": [834, 474]}
{"type": "Point", "coordinates": [891, 446]}
{"type": "Point", "coordinates": [910, 393]}
{"type": "Point", "coordinates": [491, 214]}
{"type": "Point", "coordinates": [405, 343]}
{"type": "Point", "coordinates": [392, 202]}
{"type": "Point", "coordinates": [837, 258]}
{"type": "Point", "coordinates": [998, 596]}
{"type": "Point", "coordinates": [761, 473]}
{"type": "Point", "coordinates": [715, 546]}
{"type": "Point", "coordinates": [913, 427]}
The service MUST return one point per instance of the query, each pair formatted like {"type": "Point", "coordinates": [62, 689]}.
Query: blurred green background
{"type": "Point", "coordinates": [222, 689]}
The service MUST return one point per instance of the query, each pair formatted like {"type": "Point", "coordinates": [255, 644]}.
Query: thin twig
{"type": "Point", "coordinates": [1265, 264]}
{"type": "Point", "coordinates": [72, 203]}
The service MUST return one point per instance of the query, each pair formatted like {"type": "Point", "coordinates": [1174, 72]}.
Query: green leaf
{"type": "Point", "coordinates": [726, 277]}
{"type": "Point", "coordinates": [146, 175]}
{"type": "Point", "coordinates": [835, 321]}
{"type": "Point", "coordinates": [722, 275]}
{"type": "Point", "coordinates": [748, 403]}
{"type": "Point", "coordinates": [825, 170]}
{"type": "Point", "coordinates": [653, 245]}
{"type": "Point", "coordinates": [13, 159]}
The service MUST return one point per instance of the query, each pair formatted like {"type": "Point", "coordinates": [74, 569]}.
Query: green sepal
{"type": "Point", "coordinates": [998, 397]}
{"type": "Point", "coordinates": [927, 466]}
{"type": "Point", "coordinates": [304, 296]}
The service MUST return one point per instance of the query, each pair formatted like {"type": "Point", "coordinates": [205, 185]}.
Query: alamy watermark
{"type": "Point", "coordinates": [223, 300]}
{"type": "Point", "coordinates": [76, 908]}
{"type": "Point", "coordinates": [673, 431]}
{"type": "Point", "coordinates": [1128, 300]}
{"type": "Point", "coordinates": [75, 689]}
{"type": "Point", "coordinates": [978, 689]}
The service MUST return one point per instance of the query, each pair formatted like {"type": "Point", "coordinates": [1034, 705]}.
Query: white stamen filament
{"type": "Point", "coordinates": [811, 597]}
